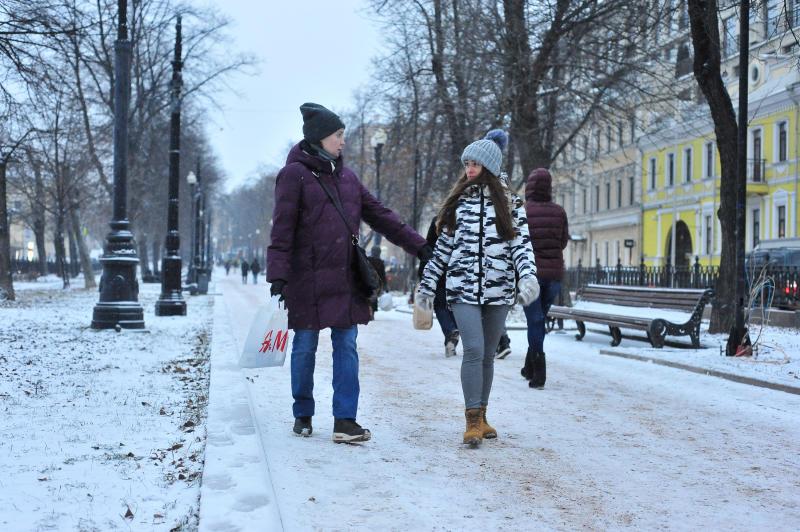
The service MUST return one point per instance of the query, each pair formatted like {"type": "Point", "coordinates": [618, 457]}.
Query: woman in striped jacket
{"type": "Point", "coordinates": [483, 239]}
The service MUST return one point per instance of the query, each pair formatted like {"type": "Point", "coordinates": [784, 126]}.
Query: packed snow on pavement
{"type": "Point", "coordinates": [105, 430]}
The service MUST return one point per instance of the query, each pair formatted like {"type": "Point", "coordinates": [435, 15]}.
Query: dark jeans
{"type": "Point", "coordinates": [443, 314]}
{"type": "Point", "coordinates": [536, 313]}
{"type": "Point", "coordinates": [345, 371]}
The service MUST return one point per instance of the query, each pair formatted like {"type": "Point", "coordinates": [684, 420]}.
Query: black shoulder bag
{"type": "Point", "coordinates": [367, 281]}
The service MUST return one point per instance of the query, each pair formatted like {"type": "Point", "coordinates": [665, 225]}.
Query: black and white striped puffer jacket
{"type": "Point", "coordinates": [479, 263]}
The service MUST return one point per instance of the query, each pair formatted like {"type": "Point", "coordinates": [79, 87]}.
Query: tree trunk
{"type": "Point", "coordinates": [707, 71]}
{"type": "Point", "coordinates": [61, 253]}
{"type": "Point", "coordinates": [74, 262]}
{"type": "Point", "coordinates": [6, 283]}
{"type": "Point", "coordinates": [83, 250]}
{"type": "Point", "coordinates": [39, 221]}
{"type": "Point", "coordinates": [156, 255]}
{"type": "Point", "coordinates": [144, 261]}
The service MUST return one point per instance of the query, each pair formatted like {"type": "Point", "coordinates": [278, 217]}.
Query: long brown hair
{"type": "Point", "coordinates": [447, 213]}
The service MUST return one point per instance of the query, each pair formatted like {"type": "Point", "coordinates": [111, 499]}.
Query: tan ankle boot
{"type": "Point", "coordinates": [473, 435]}
{"type": "Point", "coordinates": [487, 430]}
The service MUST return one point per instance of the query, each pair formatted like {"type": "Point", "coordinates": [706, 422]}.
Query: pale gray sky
{"type": "Point", "coordinates": [315, 50]}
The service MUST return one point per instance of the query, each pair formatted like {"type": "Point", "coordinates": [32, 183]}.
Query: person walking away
{"type": "Point", "coordinates": [447, 323]}
{"type": "Point", "coordinates": [245, 268]}
{"type": "Point", "coordinates": [483, 242]}
{"type": "Point", "coordinates": [310, 264]}
{"type": "Point", "coordinates": [380, 268]}
{"type": "Point", "coordinates": [547, 223]}
{"type": "Point", "coordinates": [227, 267]}
{"type": "Point", "coordinates": [255, 267]}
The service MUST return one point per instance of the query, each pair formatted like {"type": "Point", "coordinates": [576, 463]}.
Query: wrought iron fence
{"type": "Point", "coordinates": [782, 292]}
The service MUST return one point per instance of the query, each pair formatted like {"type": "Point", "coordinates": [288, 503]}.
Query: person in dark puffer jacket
{"type": "Point", "coordinates": [310, 264]}
{"type": "Point", "coordinates": [549, 230]}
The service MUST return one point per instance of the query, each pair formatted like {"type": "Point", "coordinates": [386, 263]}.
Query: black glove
{"type": "Point", "coordinates": [276, 288]}
{"type": "Point", "coordinates": [425, 254]}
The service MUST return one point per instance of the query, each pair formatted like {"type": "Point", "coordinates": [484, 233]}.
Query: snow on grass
{"type": "Point", "coordinates": [100, 430]}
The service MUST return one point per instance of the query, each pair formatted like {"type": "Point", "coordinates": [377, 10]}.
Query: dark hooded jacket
{"type": "Point", "coordinates": [548, 226]}
{"type": "Point", "coordinates": [311, 247]}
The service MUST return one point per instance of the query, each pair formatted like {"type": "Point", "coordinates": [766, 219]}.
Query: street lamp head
{"type": "Point", "coordinates": [378, 138]}
{"type": "Point", "coordinates": [191, 178]}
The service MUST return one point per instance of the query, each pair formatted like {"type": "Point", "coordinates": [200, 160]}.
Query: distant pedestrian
{"type": "Point", "coordinates": [483, 241]}
{"type": "Point", "coordinates": [227, 267]}
{"type": "Point", "coordinates": [245, 268]}
{"type": "Point", "coordinates": [549, 231]}
{"type": "Point", "coordinates": [255, 267]}
{"type": "Point", "coordinates": [310, 264]}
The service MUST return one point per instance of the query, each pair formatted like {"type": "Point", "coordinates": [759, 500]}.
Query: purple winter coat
{"type": "Point", "coordinates": [548, 226]}
{"type": "Point", "coordinates": [311, 247]}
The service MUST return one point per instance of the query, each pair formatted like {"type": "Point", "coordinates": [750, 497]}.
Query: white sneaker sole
{"type": "Point", "coordinates": [341, 437]}
{"type": "Point", "coordinates": [503, 354]}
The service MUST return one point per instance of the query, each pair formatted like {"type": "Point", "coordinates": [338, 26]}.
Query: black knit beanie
{"type": "Point", "coordinates": [319, 122]}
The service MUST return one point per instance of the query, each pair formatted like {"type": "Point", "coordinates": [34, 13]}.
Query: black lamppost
{"type": "Point", "coordinates": [171, 303]}
{"type": "Point", "coordinates": [119, 290]}
{"type": "Point", "coordinates": [377, 141]}
{"type": "Point", "coordinates": [198, 274]}
{"type": "Point", "coordinates": [191, 273]}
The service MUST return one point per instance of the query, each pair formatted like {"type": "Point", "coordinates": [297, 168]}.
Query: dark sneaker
{"type": "Point", "coordinates": [450, 345]}
{"type": "Point", "coordinates": [503, 348]}
{"type": "Point", "coordinates": [348, 431]}
{"type": "Point", "coordinates": [302, 426]}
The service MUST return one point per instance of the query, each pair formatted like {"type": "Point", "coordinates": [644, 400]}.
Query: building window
{"type": "Point", "coordinates": [620, 140]}
{"type": "Point", "coordinates": [757, 177]}
{"type": "Point", "coordinates": [708, 234]}
{"type": "Point", "coordinates": [608, 138]}
{"type": "Point", "coordinates": [756, 226]}
{"type": "Point", "coordinates": [687, 165]}
{"type": "Point", "coordinates": [608, 195]}
{"type": "Point", "coordinates": [619, 192]}
{"type": "Point", "coordinates": [597, 198]}
{"type": "Point", "coordinates": [584, 200]}
{"type": "Point", "coordinates": [731, 37]}
{"type": "Point", "coordinates": [606, 257]}
{"type": "Point", "coordinates": [708, 159]}
{"type": "Point", "coordinates": [783, 142]}
{"type": "Point", "coordinates": [630, 190]}
{"type": "Point", "coordinates": [670, 169]}
{"type": "Point", "coordinates": [782, 221]}
{"type": "Point", "coordinates": [652, 170]}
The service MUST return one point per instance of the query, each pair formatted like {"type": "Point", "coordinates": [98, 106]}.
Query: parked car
{"type": "Point", "coordinates": [781, 257]}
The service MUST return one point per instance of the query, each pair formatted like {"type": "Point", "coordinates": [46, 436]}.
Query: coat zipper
{"type": "Point", "coordinates": [480, 252]}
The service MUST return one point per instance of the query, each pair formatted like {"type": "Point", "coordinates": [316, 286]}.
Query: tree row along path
{"type": "Point", "coordinates": [609, 443]}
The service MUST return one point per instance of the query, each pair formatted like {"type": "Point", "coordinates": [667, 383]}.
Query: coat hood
{"type": "Point", "coordinates": [303, 153]}
{"type": "Point", "coordinates": [539, 186]}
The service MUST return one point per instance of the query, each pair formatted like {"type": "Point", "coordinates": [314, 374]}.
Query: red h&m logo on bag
{"type": "Point", "coordinates": [278, 345]}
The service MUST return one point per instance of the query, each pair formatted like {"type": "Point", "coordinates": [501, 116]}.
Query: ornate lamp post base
{"type": "Point", "coordinates": [119, 294]}
{"type": "Point", "coordinates": [171, 302]}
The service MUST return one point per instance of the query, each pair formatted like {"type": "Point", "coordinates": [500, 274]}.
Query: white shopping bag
{"type": "Point", "coordinates": [385, 301]}
{"type": "Point", "coordinates": [268, 338]}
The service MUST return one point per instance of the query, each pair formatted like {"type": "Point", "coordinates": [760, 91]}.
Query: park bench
{"type": "Point", "coordinates": [664, 300]}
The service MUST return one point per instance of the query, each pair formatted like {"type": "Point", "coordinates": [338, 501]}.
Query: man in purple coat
{"type": "Point", "coordinates": [547, 222]}
{"type": "Point", "coordinates": [310, 264]}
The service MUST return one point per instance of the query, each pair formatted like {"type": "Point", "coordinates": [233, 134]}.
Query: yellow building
{"type": "Point", "coordinates": [681, 172]}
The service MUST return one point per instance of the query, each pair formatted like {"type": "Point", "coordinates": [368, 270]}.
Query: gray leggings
{"type": "Point", "coordinates": [481, 327]}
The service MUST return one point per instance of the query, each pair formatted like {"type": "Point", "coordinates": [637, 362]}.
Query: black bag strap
{"type": "Point", "coordinates": [338, 206]}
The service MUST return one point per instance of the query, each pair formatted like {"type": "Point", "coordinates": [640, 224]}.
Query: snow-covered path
{"type": "Point", "coordinates": [610, 443]}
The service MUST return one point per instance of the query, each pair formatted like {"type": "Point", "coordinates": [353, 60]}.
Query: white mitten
{"type": "Point", "coordinates": [527, 291]}
{"type": "Point", "coordinates": [424, 302]}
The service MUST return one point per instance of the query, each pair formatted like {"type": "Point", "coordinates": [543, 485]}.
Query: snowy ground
{"type": "Point", "coordinates": [610, 443]}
